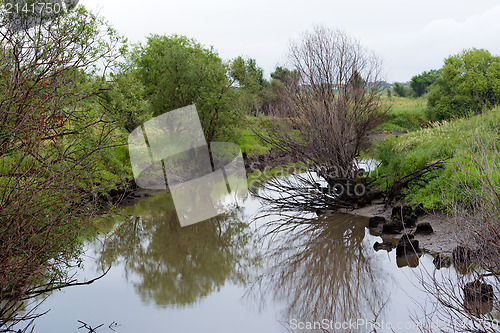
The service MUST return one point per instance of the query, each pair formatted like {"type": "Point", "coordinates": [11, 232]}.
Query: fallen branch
{"type": "Point", "coordinates": [88, 327]}
{"type": "Point", "coordinates": [415, 178]}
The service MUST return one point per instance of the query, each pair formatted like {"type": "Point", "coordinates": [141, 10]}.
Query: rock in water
{"type": "Point", "coordinates": [407, 245]}
{"type": "Point", "coordinates": [478, 291]}
{"type": "Point", "coordinates": [392, 228]}
{"type": "Point", "coordinates": [410, 221]}
{"type": "Point", "coordinates": [401, 213]}
{"type": "Point", "coordinates": [461, 255]}
{"type": "Point", "coordinates": [375, 221]}
{"type": "Point", "coordinates": [441, 261]}
{"type": "Point", "coordinates": [424, 228]}
{"type": "Point", "coordinates": [382, 246]}
{"type": "Point", "coordinates": [478, 297]}
{"type": "Point", "coordinates": [410, 260]}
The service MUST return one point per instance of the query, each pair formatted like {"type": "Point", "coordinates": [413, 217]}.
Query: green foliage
{"type": "Point", "coordinates": [401, 90]}
{"type": "Point", "coordinates": [282, 74]}
{"type": "Point", "coordinates": [459, 140]}
{"type": "Point", "coordinates": [125, 101]}
{"type": "Point", "coordinates": [389, 93]}
{"type": "Point", "coordinates": [419, 83]}
{"type": "Point", "coordinates": [469, 83]}
{"type": "Point", "coordinates": [405, 114]}
{"type": "Point", "coordinates": [177, 71]}
{"type": "Point", "coordinates": [248, 75]}
{"type": "Point", "coordinates": [249, 83]}
{"type": "Point", "coordinates": [272, 94]}
{"type": "Point", "coordinates": [471, 171]}
{"type": "Point", "coordinates": [53, 140]}
{"type": "Point", "coordinates": [248, 141]}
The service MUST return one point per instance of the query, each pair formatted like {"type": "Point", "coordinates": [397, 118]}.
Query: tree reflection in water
{"type": "Point", "coordinates": [321, 269]}
{"type": "Point", "coordinates": [172, 265]}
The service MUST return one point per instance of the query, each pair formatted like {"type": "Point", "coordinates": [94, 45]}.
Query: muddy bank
{"type": "Point", "coordinates": [271, 160]}
{"type": "Point", "coordinates": [444, 238]}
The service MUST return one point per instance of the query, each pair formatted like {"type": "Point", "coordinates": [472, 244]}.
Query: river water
{"type": "Point", "coordinates": [244, 271]}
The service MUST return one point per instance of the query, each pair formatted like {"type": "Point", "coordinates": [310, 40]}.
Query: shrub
{"type": "Point", "coordinates": [469, 83]}
{"type": "Point", "coordinates": [401, 90]}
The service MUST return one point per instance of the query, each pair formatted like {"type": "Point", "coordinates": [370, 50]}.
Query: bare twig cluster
{"type": "Point", "coordinates": [330, 103]}
{"type": "Point", "coordinates": [330, 277]}
{"type": "Point", "coordinates": [419, 177]}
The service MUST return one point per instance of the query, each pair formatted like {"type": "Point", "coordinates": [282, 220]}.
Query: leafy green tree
{"type": "Point", "coordinates": [401, 90]}
{"type": "Point", "coordinates": [469, 83]}
{"type": "Point", "coordinates": [420, 82]}
{"type": "Point", "coordinates": [125, 102]}
{"type": "Point", "coordinates": [273, 95]}
{"type": "Point", "coordinates": [177, 71]}
{"type": "Point", "coordinates": [283, 74]}
{"type": "Point", "coordinates": [250, 83]}
{"type": "Point", "coordinates": [248, 74]}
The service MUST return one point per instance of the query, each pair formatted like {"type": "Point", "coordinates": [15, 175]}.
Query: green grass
{"type": "Point", "coordinates": [246, 138]}
{"type": "Point", "coordinates": [406, 114]}
{"type": "Point", "coordinates": [469, 143]}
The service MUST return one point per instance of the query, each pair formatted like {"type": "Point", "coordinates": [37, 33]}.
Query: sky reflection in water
{"type": "Point", "coordinates": [230, 275]}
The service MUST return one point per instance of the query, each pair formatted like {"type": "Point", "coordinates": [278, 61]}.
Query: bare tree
{"type": "Point", "coordinates": [50, 133]}
{"type": "Point", "coordinates": [331, 103]}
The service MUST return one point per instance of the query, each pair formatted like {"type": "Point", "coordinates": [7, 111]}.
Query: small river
{"type": "Point", "coordinates": [245, 271]}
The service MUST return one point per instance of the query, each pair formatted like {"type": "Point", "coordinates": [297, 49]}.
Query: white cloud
{"type": "Point", "coordinates": [411, 36]}
{"type": "Point", "coordinates": [426, 48]}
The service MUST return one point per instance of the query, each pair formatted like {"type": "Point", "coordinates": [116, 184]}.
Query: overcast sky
{"type": "Point", "coordinates": [410, 36]}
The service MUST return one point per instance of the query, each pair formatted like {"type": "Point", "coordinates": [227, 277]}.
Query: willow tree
{"type": "Point", "coordinates": [330, 104]}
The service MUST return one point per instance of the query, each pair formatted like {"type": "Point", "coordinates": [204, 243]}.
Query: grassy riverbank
{"type": "Point", "coordinates": [470, 145]}
{"type": "Point", "coordinates": [248, 141]}
{"type": "Point", "coordinates": [406, 114]}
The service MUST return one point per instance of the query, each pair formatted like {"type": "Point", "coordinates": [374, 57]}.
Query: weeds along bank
{"type": "Point", "coordinates": [471, 147]}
